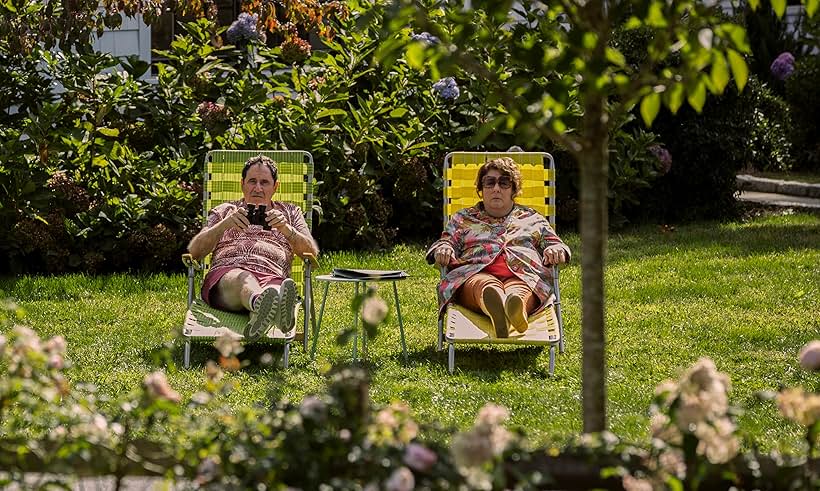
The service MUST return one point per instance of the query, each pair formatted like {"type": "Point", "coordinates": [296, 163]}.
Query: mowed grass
{"type": "Point", "coordinates": [746, 295]}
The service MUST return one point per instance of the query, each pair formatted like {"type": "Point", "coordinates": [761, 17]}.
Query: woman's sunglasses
{"type": "Point", "coordinates": [489, 182]}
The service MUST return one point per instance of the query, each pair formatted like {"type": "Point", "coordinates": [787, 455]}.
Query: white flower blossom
{"type": "Point", "coordinates": [228, 344]}
{"type": "Point", "coordinates": [374, 310]}
{"type": "Point", "coordinates": [401, 479]}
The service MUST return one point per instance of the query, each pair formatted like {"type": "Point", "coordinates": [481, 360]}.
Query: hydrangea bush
{"type": "Point", "coordinates": [105, 176]}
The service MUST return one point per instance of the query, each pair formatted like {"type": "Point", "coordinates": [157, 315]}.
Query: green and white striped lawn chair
{"type": "Point", "coordinates": [460, 325]}
{"type": "Point", "coordinates": [222, 182]}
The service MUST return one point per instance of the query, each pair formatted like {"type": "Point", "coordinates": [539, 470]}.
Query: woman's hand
{"type": "Point", "coordinates": [443, 255]}
{"type": "Point", "coordinates": [554, 254]}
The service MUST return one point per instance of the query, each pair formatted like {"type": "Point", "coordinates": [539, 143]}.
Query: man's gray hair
{"type": "Point", "coordinates": [261, 160]}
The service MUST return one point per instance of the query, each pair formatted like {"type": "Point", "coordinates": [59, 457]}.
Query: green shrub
{"type": "Point", "coordinates": [704, 150]}
{"type": "Point", "coordinates": [771, 128]}
{"type": "Point", "coordinates": [733, 132]}
{"type": "Point", "coordinates": [122, 155]}
{"type": "Point", "coordinates": [804, 101]}
{"type": "Point", "coordinates": [768, 38]}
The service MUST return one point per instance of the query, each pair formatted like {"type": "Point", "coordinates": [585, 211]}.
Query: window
{"type": "Point", "coordinates": [167, 26]}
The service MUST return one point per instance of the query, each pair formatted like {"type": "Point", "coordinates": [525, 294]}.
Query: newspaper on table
{"type": "Point", "coordinates": [369, 274]}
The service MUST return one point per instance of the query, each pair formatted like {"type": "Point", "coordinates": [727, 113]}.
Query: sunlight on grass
{"type": "Point", "coordinates": [747, 295]}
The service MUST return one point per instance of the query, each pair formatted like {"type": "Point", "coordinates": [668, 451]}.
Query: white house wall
{"type": "Point", "coordinates": [133, 37]}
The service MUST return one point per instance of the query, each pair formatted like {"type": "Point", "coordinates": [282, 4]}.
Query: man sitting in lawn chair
{"type": "Point", "coordinates": [253, 241]}
{"type": "Point", "coordinates": [498, 253]}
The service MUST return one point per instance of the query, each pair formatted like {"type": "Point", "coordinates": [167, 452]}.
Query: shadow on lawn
{"type": "Point", "coordinates": [733, 240]}
{"type": "Point", "coordinates": [487, 363]}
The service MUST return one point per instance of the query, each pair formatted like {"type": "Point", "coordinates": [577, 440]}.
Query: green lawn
{"type": "Point", "coordinates": [746, 295]}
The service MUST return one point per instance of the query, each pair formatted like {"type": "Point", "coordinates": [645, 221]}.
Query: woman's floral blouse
{"type": "Point", "coordinates": [477, 238]}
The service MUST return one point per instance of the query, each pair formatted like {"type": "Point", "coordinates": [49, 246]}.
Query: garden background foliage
{"type": "Point", "coordinates": [101, 169]}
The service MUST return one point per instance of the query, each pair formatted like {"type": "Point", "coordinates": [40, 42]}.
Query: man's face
{"type": "Point", "coordinates": [258, 186]}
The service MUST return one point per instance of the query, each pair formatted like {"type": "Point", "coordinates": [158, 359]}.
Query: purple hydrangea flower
{"type": "Point", "coordinates": [447, 88]}
{"type": "Point", "coordinates": [425, 37]}
{"type": "Point", "coordinates": [245, 28]}
{"type": "Point", "coordinates": [663, 156]}
{"type": "Point", "coordinates": [783, 66]}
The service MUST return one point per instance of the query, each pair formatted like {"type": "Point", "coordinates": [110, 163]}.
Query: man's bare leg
{"type": "Point", "coordinates": [234, 290]}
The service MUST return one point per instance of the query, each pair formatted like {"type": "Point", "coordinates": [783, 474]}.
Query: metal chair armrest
{"type": "Point", "coordinates": [189, 261]}
{"type": "Point", "coordinates": [310, 258]}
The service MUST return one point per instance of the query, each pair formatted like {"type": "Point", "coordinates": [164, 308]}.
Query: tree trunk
{"type": "Point", "coordinates": [593, 226]}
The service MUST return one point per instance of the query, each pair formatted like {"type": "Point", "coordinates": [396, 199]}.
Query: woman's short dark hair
{"type": "Point", "coordinates": [261, 160]}
{"type": "Point", "coordinates": [507, 167]}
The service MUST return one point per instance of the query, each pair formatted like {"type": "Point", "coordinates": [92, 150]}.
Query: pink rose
{"type": "Point", "coordinates": [419, 458]}
{"type": "Point", "coordinates": [158, 388]}
{"type": "Point", "coordinates": [401, 480]}
{"type": "Point", "coordinates": [810, 355]}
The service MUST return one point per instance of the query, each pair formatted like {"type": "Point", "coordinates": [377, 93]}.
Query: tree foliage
{"type": "Point", "coordinates": [691, 51]}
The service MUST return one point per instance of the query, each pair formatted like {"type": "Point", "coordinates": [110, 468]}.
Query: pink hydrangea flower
{"type": "Point", "coordinates": [810, 355]}
{"type": "Point", "coordinates": [158, 387]}
{"type": "Point", "coordinates": [419, 458]}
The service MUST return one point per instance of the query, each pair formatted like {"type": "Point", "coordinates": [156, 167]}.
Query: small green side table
{"type": "Point", "coordinates": [328, 279]}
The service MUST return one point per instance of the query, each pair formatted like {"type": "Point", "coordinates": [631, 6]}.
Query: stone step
{"type": "Point", "coordinates": [780, 200]}
{"type": "Point", "coordinates": [747, 183]}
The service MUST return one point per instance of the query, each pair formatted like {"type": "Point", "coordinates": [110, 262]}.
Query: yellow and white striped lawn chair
{"type": "Point", "coordinates": [223, 174]}
{"type": "Point", "coordinates": [460, 325]}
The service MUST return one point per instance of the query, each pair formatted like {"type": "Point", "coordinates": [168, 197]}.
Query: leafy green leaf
{"type": "Point", "coordinates": [674, 97]}
{"type": "Point", "coordinates": [615, 57]}
{"type": "Point", "coordinates": [633, 23]}
{"type": "Point", "coordinates": [415, 55]}
{"type": "Point", "coordinates": [811, 7]}
{"type": "Point", "coordinates": [418, 145]}
{"type": "Point", "coordinates": [112, 132]}
{"type": "Point", "coordinates": [398, 112]}
{"type": "Point", "coordinates": [697, 95]}
{"type": "Point", "coordinates": [655, 17]}
{"type": "Point", "coordinates": [739, 69]}
{"type": "Point", "coordinates": [720, 71]}
{"type": "Point", "coordinates": [324, 113]}
{"type": "Point", "coordinates": [650, 105]}
{"type": "Point", "coordinates": [736, 33]}
{"type": "Point", "coordinates": [589, 40]}
{"type": "Point", "coordinates": [779, 7]}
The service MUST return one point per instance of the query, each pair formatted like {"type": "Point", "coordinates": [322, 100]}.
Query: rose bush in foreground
{"type": "Point", "coordinates": [338, 439]}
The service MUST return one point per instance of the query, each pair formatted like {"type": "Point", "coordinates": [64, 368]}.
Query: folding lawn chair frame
{"type": "Point", "coordinates": [538, 182]}
{"type": "Point", "coordinates": [222, 176]}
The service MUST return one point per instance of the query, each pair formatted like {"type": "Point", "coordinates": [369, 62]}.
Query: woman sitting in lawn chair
{"type": "Point", "coordinates": [253, 242]}
{"type": "Point", "coordinates": [498, 254]}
